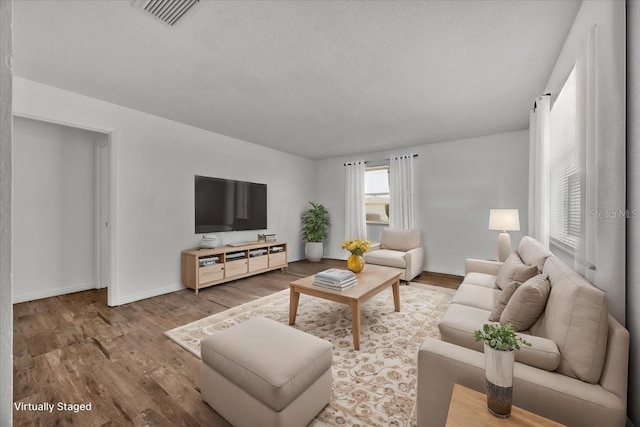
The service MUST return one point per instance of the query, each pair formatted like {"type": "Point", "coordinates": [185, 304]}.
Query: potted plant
{"type": "Point", "coordinates": [315, 229]}
{"type": "Point", "coordinates": [500, 343]}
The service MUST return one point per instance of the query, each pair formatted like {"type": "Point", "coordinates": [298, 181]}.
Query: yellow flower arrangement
{"type": "Point", "coordinates": [356, 246]}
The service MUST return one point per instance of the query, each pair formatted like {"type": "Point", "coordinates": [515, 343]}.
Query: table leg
{"type": "Point", "coordinates": [294, 297]}
{"type": "Point", "coordinates": [396, 295]}
{"type": "Point", "coordinates": [355, 324]}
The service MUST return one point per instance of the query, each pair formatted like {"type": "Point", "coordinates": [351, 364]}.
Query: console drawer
{"type": "Point", "coordinates": [211, 273]}
{"type": "Point", "coordinates": [277, 259]}
{"type": "Point", "coordinates": [258, 263]}
{"type": "Point", "coordinates": [236, 268]}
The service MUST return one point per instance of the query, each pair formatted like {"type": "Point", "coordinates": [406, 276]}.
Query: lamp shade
{"type": "Point", "coordinates": [504, 220]}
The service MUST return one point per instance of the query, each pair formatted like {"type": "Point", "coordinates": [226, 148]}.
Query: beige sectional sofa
{"type": "Point", "coordinates": [574, 373]}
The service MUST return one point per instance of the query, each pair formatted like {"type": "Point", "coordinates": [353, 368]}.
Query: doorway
{"type": "Point", "coordinates": [62, 208]}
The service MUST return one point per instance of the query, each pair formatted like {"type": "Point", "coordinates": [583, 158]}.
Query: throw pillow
{"type": "Point", "coordinates": [514, 269]}
{"type": "Point", "coordinates": [505, 296]}
{"type": "Point", "coordinates": [527, 303]}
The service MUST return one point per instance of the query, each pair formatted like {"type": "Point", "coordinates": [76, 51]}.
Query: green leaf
{"type": "Point", "coordinates": [501, 337]}
{"type": "Point", "coordinates": [315, 223]}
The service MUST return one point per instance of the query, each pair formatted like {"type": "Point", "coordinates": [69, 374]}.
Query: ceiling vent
{"type": "Point", "coordinates": [168, 11]}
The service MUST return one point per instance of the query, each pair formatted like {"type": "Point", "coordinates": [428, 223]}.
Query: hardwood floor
{"type": "Point", "coordinates": [75, 349]}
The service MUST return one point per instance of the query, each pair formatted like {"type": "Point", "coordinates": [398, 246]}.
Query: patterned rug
{"type": "Point", "coordinates": [375, 386]}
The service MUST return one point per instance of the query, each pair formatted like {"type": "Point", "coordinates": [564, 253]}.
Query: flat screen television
{"type": "Point", "coordinates": [228, 205]}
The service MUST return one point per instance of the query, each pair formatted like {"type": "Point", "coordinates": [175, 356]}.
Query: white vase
{"type": "Point", "coordinates": [498, 367]}
{"type": "Point", "coordinates": [314, 251]}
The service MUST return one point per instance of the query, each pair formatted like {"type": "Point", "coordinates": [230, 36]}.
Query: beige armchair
{"type": "Point", "coordinates": [399, 249]}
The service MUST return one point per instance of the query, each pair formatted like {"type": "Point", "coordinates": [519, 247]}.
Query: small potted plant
{"type": "Point", "coordinates": [315, 229]}
{"type": "Point", "coordinates": [500, 343]}
{"type": "Point", "coordinates": [357, 247]}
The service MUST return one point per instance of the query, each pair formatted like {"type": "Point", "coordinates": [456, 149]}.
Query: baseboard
{"type": "Point", "coordinates": [447, 271]}
{"type": "Point", "coordinates": [444, 275]}
{"type": "Point", "coordinates": [148, 294]}
{"type": "Point", "coordinates": [51, 293]}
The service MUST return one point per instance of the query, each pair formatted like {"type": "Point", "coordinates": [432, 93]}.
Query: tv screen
{"type": "Point", "coordinates": [227, 205]}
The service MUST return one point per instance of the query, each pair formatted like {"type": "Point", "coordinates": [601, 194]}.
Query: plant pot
{"type": "Point", "coordinates": [355, 263]}
{"type": "Point", "coordinates": [314, 251]}
{"type": "Point", "coordinates": [499, 375]}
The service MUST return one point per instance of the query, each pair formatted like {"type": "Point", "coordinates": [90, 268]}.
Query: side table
{"type": "Point", "coordinates": [468, 408]}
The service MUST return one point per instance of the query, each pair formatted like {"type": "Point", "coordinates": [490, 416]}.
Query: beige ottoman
{"type": "Point", "coordinates": [263, 373]}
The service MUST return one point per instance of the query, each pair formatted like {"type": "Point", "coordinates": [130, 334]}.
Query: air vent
{"type": "Point", "coordinates": [168, 11]}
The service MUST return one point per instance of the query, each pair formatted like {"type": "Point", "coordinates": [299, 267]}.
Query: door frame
{"type": "Point", "coordinates": [102, 216]}
{"type": "Point", "coordinates": [108, 195]}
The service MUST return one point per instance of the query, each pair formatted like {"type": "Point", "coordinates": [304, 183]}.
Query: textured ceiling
{"type": "Point", "coordinates": [316, 79]}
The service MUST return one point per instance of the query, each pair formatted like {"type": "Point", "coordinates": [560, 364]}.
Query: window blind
{"type": "Point", "coordinates": [376, 180]}
{"type": "Point", "coordinates": [376, 189]}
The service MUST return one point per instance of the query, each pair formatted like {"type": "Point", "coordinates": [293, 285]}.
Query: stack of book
{"type": "Point", "coordinates": [335, 279]}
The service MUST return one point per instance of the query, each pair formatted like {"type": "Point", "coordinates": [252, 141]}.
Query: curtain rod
{"type": "Point", "coordinates": [376, 161]}
{"type": "Point", "coordinates": [535, 104]}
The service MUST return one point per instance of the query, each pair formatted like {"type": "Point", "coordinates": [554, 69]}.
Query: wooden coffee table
{"type": "Point", "coordinates": [371, 281]}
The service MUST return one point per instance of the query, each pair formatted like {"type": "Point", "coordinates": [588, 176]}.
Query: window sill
{"type": "Point", "coordinates": [377, 223]}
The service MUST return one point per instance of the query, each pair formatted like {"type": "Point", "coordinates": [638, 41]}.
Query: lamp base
{"type": "Point", "coordinates": [504, 246]}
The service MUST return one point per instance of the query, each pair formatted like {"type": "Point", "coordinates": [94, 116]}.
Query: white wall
{"type": "Point", "coordinates": [54, 205]}
{"type": "Point", "coordinates": [633, 203]}
{"type": "Point", "coordinates": [6, 287]}
{"type": "Point", "coordinates": [155, 161]}
{"type": "Point", "coordinates": [457, 182]}
{"type": "Point", "coordinates": [609, 18]}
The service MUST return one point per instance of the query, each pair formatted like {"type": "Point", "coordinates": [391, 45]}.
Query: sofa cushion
{"type": "Point", "coordinates": [387, 257]}
{"type": "Point", "coordinates": [480, 279]}
{"type": "Point", "coordinates": [502, 301]}
{"type": "Point", "coordinates": [527, 303]}
{"type": "Point", "coordinates": [533, 252]}
{"type": "Point", "coordinates": [514, 269]}
{"type": "Point", "coordinates": [576, 318]}
{"type": "Point", "coordinates": [400, 240]}
{"type": "Point", "coordinates": [459, 322]}
{"type": "Point", "coordinates": [476, 296]}
{"type": "Point", "coordinates": [543, 353]}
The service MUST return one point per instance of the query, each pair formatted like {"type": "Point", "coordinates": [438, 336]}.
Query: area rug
{"type": "Point", "coordinates": [375, 386]}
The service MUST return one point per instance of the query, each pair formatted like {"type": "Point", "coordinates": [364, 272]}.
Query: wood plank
{"type": "Point", "coordinates": [468, 408]}
{"type": "Point", "coordinates": [75, 347]}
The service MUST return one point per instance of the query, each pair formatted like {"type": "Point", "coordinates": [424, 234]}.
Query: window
{"type": "Point", "coordinates": [567, 171]}
{"type": "Point", "coordinates": [376, 194]}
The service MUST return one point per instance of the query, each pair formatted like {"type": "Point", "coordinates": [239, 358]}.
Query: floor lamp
{"type": "Point", "coordinates": [504, 220]}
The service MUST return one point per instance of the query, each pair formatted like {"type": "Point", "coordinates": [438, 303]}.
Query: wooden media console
{"type": "Point", "coordinates": [207, 267]}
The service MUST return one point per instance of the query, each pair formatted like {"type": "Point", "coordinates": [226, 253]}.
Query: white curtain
{"type": "Point", "coordinates": [355, 218]}
{"type": "Point", "coordinates": [539, 175]}
{"type": "Point", "coordinates": [587, 119]}
{"type": "Point", "coordinates": [402, 205]}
